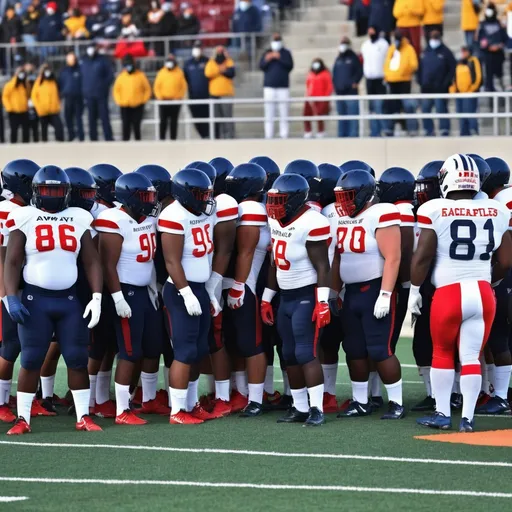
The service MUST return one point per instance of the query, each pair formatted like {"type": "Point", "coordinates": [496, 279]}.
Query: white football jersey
{"type": "Point", "coordinates": [467, 235]}
{"type": "Point", "coordinates": [226, 209]}
{"type": "Point", "coordinates": [294, 268]}
{"type": "Point", "coordinates": [503, 196]}
{"type": "Point", "coordinates": [330, 213]}
{"type": "Point", "coordinates": [135, 263]}
{"type": "Point", "coordinates": [360, 258]}
{"type": "Point", "coordinates": [198, 243]}
{"type": "Point", "coordinates": [53, 242]}
{"type": "Point", "coordinates": [314, 206]}
{"type": "Point", "coordinates": [96, 209]}
{"type": "Point", "coordinates": [6, 207]}
{"type": "Point", "coordinates": [406, 211]}
{"type": "Point", "coordinates": [480, 195]}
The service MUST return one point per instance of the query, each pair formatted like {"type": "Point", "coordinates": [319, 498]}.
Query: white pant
{"type": "Point", "coordinates": [272, 98]}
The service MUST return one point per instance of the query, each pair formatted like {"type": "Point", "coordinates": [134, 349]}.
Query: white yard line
{"type": "Point", "coordinates": [348, 383]}
{"type": "Point", "coordinates": [10, 499]}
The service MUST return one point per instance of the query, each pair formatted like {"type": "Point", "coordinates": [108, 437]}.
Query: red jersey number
{"type": "Point", "coordinates": [201, 237]}
{"type": "Point", "coordinates": [148, 247]}
{"type": "Point", "coordinates": [280, 255]}
{"type": "Point", "coordinates": [356, 243]}
{"type": "Point", "coordinates": [45, 238]}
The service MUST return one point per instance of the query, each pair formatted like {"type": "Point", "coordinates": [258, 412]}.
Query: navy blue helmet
{"type": "Point", "coordinates": [353, 165]}
{"type": "Point", "coordinates": [270, 167]}
{"type": "Point", "coordinates": [193, 189]}
{"type": "Point", "coordinates": [52, 189]}
{"type": "Point", "coordinates": [136, 193]}
{"type": "Point", "coordinates": [246, 180]}
{"type": "Point", "coordinates": [499, 176]}
{"type": "Point", "coordinates": [287, 196]}
{"type": "Point", "coordinates": [310, 172]}
{"type": "Point", "coordinates": [329, 175]}
{"type": "Point", "coordinates": [427, 182]}
{"type": "Point", "coordinates": [222, 168]}
{"type": "Point", "coordinates": [17, 177]}
{"type": "Point", "coordinates": [83, 188]}
{"type": "Point", "coordinates": [396, 184]}
{"type": "Point", "coordinates": [207, 168]}
{"type": "Point", "coordinates": [105, 176]}
{"type": "Point", "coordinates": [159, 177]}
{"type": "Point", "coordinates": [483, 167]}
{"type": "Point", "coordinates": [354, 190]}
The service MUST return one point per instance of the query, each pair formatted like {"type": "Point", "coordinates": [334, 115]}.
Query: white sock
{"type": "Point", "coordinates": [241, 383]}
{"type": "Point", "coordinates": [81, 399]}
{"type": "Point", "coordinates": [92, 388]}
{"type": "Point", "coordinates": [47, 386]}
{"type": "Point", "coordinates": [300, 399]}
{"type": "Point", "coordinates": [360, 392]}
{"type": "Point", "coordinates": [178, 400]}
{"type": "Point", "coordinates": [456, 383]}
{"type": "Point", "coordinates": [269, 381]}
{"type": "Point", "coordinates": [470, 388]}
{"type": "Point", "coordinates": [501, 380]}
{"type": "Point", "coordinates": [149, 383]}
{"type": "Point", "coordinates": [222, 389]}
{"type": "Point", "coordinates": [210, 383]}
{"type": "Point", "coordinates": [24, 404]}
{"type": "Point", "coordinates": [316, 396]}
{"type": "Point", "coordinates": [491, 368]}
{"type": "Point", "coordinates": [5, 391]}
{"type": "Point", "coordinates": [425, 375]}
{"type": "Point", "coordinates": [256, 392]}
{"type": "Point", "coordinates": [122, 398]}
{"type": "Point", "coordinates": [165, 371]}
{"type": "Point", "coordinates": [394, 392]}
{"type": "Point", "coordinates": [192, 394]}
{"type": "Point", "coordinates": [442, 382]}
{"type": "Point", "coordinates": [375, 384]}
{"type": "Point", "coordinates": [232, 381]}
{"type": "Point", "coordinates": [103, 387]}
{"type": "Point", "coordinates": [286, 384]}
{"type": "Point", "coordinates": [330, 374]}
{"type": "Point", "coordinates": [485, 378]}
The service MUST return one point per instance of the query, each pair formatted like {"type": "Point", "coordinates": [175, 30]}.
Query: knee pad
{"type": "Point", "coordinates": [135, 355]}
{"type": "Point", "coordinates": [168, 353]}
{"type": "Point", "coordinates": [10, 350]}
{"type": "Point", "coordinates": [186, 354]}
{"type": "Point", "coordinates": [378, 353]}
{"type": "Point", "coordinates": [75, 357]}
{"type": "Point", "coordinates": [32, 358]}
{"type": "Point", "coordinates": [289, 356]}
{"type": "Point", "coordinates": [304, 355]}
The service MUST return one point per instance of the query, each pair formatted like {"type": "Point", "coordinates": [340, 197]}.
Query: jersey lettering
{"type": "Point", "coordinates": [201, 238]}
{"type": "Point", "coordinates": [280, 255]}
{"type": "Point", "coordinates": [45, 240]}
{"type": "Point", "coordinates": [357, 239]}
{"type": "Point", "coordinates": [148, 247]}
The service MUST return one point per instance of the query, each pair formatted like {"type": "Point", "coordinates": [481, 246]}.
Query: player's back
{"type": "Point", "coordinates": [6, 207]}
{"type": "Point", "coordinates": [503, 196]}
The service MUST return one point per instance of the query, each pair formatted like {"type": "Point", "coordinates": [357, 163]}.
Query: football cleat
{"type": "Point", "coordinates": [345, 404]}
{"type": "Point", "coordinates": [137, 396]}
{"type": "Point", "coordinates": [106, 409]}
{"type": "Point", "coordinates": [163, 397]}
{"type": "Point", "coordinates": [330, 404]}
{"type": "Point", "coordinates": [285, 402]}
{"type": "Point", "coordinates": [483, 398]}
{"type": "Point", "coordinates": [355, 409]}
{"type": "Point", "coordinates": [437, 420]}
{"type": "Point", "coordinates": [39, 410]}
{"type": "Point", "coordinates": [19, 428]}
{"type": "Point", "coordinates": [12, 402]}
{"type": "Point", "coordinates": [271, 401]}
{"type": "Point", "coordinates": [62, 402]}
{"type": "Point", "coordinates": [495, 405]}
{"type": "Point", "coordinates": [48, 404]}
{"type": "Point", "coordinates": [252, 410]}
{"type": "Point", "coordinates": [466, 425]}
{"type": "Point", "coordinates": [238, 402]}
{"type": "Point", "coordinates": [202, 414]}
{"type": "Point", "coordinates": [376, 402]}
{"type": "Point", "coordinates": [184, 418]}
{"type": "Point", "coordinates": [6, 415]}
{"type": "Point", "coordinates": [395, 412]}
{"type": "Point", "coordinates": [427, 404]}
{"type": "Point", "coordinates": [207, 401]}
{"type": "Point", "coordinates": [456, 401]}
{"type": "Point", "coordinates": [294, 416]}
{"type": "Point", "coordinates": [129, 418]}
{"type": "Point", "coordinates": [220, 408]}
{"type": "Point", "coordinates": [315, 418]}
{"type": "Point", "coordinates": [91, 411]}
{"type": "Point", "coordinates": [154, 407]}
{"type": "Point", "coordinates": [88, 425]}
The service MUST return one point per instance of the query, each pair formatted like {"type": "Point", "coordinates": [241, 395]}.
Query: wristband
{"type": "Point", "coordinates": [117, 296]}
{"type": "Point", "coordinates": [268, 295]}
{"type": "Point", "coordinates": [406, 285]}
{"type": "Point", "coordinates": [238, 286]}
{"type": "Point", "coordinates": [385, 293]}
{"type": "Point", "coordinates": [415, 289]}
{"type": "Point", "coordinates": [186, 291]}
{"type": "Point", "coordinates": [215, 277]}
{"type": "Point", "coordinates": [322, 294]}
{"type": "Point", "coordinates": [96, 296]}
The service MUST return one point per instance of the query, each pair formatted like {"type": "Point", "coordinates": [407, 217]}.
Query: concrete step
{"type": "Point", "coordinates": [297, 41]}
{"type": "Point", "coordinates": [335, 12]}
{"type": "Point", "coordinates": [335, 28]}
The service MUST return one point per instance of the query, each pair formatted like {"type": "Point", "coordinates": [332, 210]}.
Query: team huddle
{"type": "Point", "coordinates": [219, 267]}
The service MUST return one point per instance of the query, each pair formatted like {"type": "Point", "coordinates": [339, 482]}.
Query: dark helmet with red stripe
{"type": "Point", "coordinates": [396, 184]}
{"type": "Point", "coordinates": [354, 190]}
{"type": "Point", "coordinates": [287, 196]}
{"type": "Point", "coordinates": [136, 192]}
{"type": "Point", "coordinates": [498, 177]}
{"type": "Point", "coordinates": [270, 167]}
{"type": "Point", "coordinates": [427, 182]}
{"type": "Point", "coordinates": [83, 188]}
{"type": "Point", "coordinates": [246, 180]}
{"type": "Point", "coordinates": [222, 168]}
{"type": "Point", "coordinates": [310, 172]}
{"type": "Point", "coordinates": [105, 176]}
{"type": "Point", "coordinates": [17, 178]}
{"type": "Point", "coordinates": [159, 177]}
{"type": "Point", "coordinates": [52, 189]}
{"type": "Point", "coordinates": [193, 189]}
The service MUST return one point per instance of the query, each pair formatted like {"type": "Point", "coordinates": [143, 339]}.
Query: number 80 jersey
{"type": "Point", "coordinates": [468, 232]}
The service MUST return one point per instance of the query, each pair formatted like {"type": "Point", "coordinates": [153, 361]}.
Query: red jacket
{"type": "Point", "coordinates": [319, 84]}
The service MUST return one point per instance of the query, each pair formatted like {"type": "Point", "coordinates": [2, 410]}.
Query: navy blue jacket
{"type": "Point", "coordinates": [50, 28]}
{"type": "Point", "coordinates": [347, 70]}
{"type": "Point", "coordinates": [247, 21]}
{"type": "Point", "coordinates": [493, 32]}
{"type": "Point", "coordinates": [277, 71]}
{"type": "Point", "coordinates": [70, 82]}
{"type": "Point", "coordinates": [381, 15]}
{"type": "Point", "coordinates": [437, 70]}
{"type": "Point", "coordinates": [97, 76]}
{"type": "Point", "coordinates": [197, 82]}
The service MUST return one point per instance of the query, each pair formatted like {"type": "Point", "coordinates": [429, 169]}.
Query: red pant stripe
{"type": "Point", "coordinates": [127, 335]}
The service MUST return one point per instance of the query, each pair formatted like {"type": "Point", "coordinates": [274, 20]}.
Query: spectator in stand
{"type": "Point", "coordinates": [198, 88]}
{"type": "Point", "coordinates": [33, 119]}
{"type": "Point", "coordinates": [399, 68]}
{"type": "Point", "coordinates": [170, 84]}
{"type": "Point", "coordinates": [361, 16]}
{"type": "Point", "coordinates": [96, 22]}
{"type": "Point", "coordinates": [136, 10]}
{"type": "Point", "coordinates": [374, 51]}
{"type": "Point", "coordinates": [11, 26]}
{"type": "Point", "coordinates": [468, 78]}
{"type": "Point", "coordinates": [154, 19]}
{"type": "Point", "coordinates": [97, 77]}
{"type": "Point", "coordinates": [51, 27]}
{"type": "Point", "coordinates": [70, 86]}
{"type": "Point", "coordinates": [408, 14]}
{"type": "Point", "coordinates": [15, 102]}
{"type": "Point", "coordinates": [276, 64]}
{"type": "Point", "coordinates": [30, 24]}
{"type": "Point", "coordinates": [318, 84]}
{"type": "Point", "coordinates": [346, 75]}
{"type": "Point", "coordinates": [131, 92]}
{"type": "Point", "coordinates": [433, 18]}
{"type": "Point", "coordinates": [169, 21]}
{"type": "Point", "coordinates": [129, 28]}
{"type": "Point", "coordinates": [246, 19]}
{"type": "Point", "coordinates": [188, 25]}
{"type": "Point", "coordinates": [381, 17]}
{"type": "Point", "coordinates": [75, 25]}
{"type": "Point", "coordinates": [470, 12]}
{"type": "Point", "coordinates": [492, 39]}
{"type": "Point", "coordinates": [220, 71]}
{"type": "Point", "coordinates": [46, 100]}
{"type": "Point", "coordinates": [437, 70]}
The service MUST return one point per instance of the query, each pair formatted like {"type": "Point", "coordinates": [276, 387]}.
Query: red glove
{"type": "Point", "coordinates": [321, 314]}
{"type": "Point", "coordinates": [267, 313]}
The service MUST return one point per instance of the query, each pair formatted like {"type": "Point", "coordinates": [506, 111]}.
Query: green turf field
{"type": "Point", "coordinates": [236, 464]}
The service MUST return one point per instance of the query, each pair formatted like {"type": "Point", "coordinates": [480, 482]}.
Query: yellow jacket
{"type": "Point", "coordinates": [15, 99]}
{"type": "Point", "coordinates": [170, 84]}
{"type": "Point", "coordinates": [132, 89]}
{"type": "Point", "coordinates": [220, 85]}
{"type": "Point", "coordinates": [468, 76]}
{"type": "Point", "coordinates": [45, 97]}
{"type": "Point", "coordinates": [75, 24]}
{"type": "Point", "coordinates": [468, 16]}
{"type": "Point", "coordinates": [406, 66]}
{"type": "Point", "coordinates": [433, 12]}
{"type": "Point", "coordinates": [408, 13]}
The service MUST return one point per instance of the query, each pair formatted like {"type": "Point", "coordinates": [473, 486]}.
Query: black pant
{"type": "Point", "coordinates": [131, 117]}
{"type": "Point", "coordinates": [395, 106]}
{"type": "Point", "coordinates": [73, 110]}
{"type": "Point", "coordinates": [98, 107]}
{"type": "Point", "coordinates": [33, 126]}
{"type": "Point", "coordinates": [2, 132]}
{"type": "Point", "coordinates": [56, 122]}
{"type": "Point", "coordinates": [375, 86]}
{"type": "Point", "coordinates": [15, 121]}
{"type": "Point", "coordinates": [198, 111]}
{"type": "Point", "coordinates": [169, 114]}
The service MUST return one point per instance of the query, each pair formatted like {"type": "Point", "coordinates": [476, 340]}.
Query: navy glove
{"type": "Point", "coordinates": [17, 311]}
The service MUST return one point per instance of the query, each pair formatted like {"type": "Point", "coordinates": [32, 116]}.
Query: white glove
{"type": "Point", "coordinates": [415, 302]}
{"type": "Point", "coordinates": [94, 308]}
{"type": "Point", "coordinates": [122, 307]}
{"type": "Point", "coordinates": [382, 304]}
{"type": "Point", "coordinates": [236, 295]}
{"type": "Point", "coordinates": [214, 289]}
{"type": "Point", "coordinates": [191, 302]}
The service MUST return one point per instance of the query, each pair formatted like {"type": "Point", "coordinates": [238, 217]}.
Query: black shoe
{"type": "Point", "coordinates": [427, 404]}
{"type": "Point", "coordinates": [355, 409]}
{"type": "Point", "coordinates": [251, 410]}
{"type": "Point", "coordinates": [48, 404]}
{"type": "Point", "coordinates": [315, 419]}
{"type": "Point", "coordinates": [456, 401]}
{"type": "Point", "coordinates": [294, 416]}
{"type": "Point", "coordinates": [376, 402]}
{"type": "Point", "coordinates": [285, 403]}
{"type": "Point", "coordinates": [395, 412]}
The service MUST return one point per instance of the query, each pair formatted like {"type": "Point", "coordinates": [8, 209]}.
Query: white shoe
{"type": "Point", "coordinates": [308, 135]}
{"type": "Point", "coordinates": [320, 135]}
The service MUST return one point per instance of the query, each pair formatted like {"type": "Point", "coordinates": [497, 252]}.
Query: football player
{"type": "Point", "coordinates": [310, 172]}
{"type": "Point", "coordinates": [462, 236]}
{"type": "Point", "coordinates": [49, 236]}
{"type": "Point", "coordinates": [300, 238]}
{"type": "Point", "coordinates": [353, 165]}
{"type": "Point", "coordinates": [367, 261]}
{"type": "Point", "coordinates": [270, 167]}
{"type": "Point", "coordinates": [483, 170]}
{"type": "Point", "coordinates": [222, 168]}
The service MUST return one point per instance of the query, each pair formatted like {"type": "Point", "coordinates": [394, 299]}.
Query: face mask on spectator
{"type": "Point", "coordinates": [316, 66]}
{"type": "Point", "coordinates": [220, 58]}
{"type": "Point", "coordinates": [398, 40]}
{"type": "Point", "coordinates": [21, 75]}
{"type": "Point", "coordinates": [50, 11]}
{"type": "Point", "coordinates": [187, 15]}
{"type": "Point", "coordinates": [48, 73]}
{"type": "Point", "coordinates": [129, 68]}
{"type": "Point", "coordinates": [196, 53]}
{"type": "Point", "coordinates": [91, 51]}
{"type": "Point", "coordinates": [166, 7]}
{"type": "Point", "coordinates": [244, 5]}
{"type": "Point", "coordinates": [154, 5]}
{"type": "Point", "coordinates": [343, 47]}
{"type": "Point", "coordinates": [18, 10]}
{"type": "Point", "coordinates": [170, 64]}
{"type": "Point", "coordinates": [373, 37]}
{"type": "Point", "coordinates": [434, 43]}
{"type": "Point", "coordinates": [276, 45]}
{"type": "Point", "coordinates": [489, 13]}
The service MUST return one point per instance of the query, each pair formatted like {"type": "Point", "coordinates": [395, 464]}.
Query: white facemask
{"type": "Point", "coordinates": [166, 7]}
{"type": "Point", "coordinates": [243, 5]}
{"type": "Point", "coordinates": [91, 52]}
{"type": "Point", "coordinates": [170, 64]}
{"type": "Point", "coordinates": [50, 12]}
{"type": "Point", "coordinates": [343, 47]}
{"type": "Point", "coordinates": [316, 66]}
{"type": "Point", "coordinates": [196, 53]}
{"type": "Point", "coordinates": [7, 194]}
{"type": "Point", "coordinates": [275, 46]}
{"type": "Point", "coordinates": [489, 12]}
